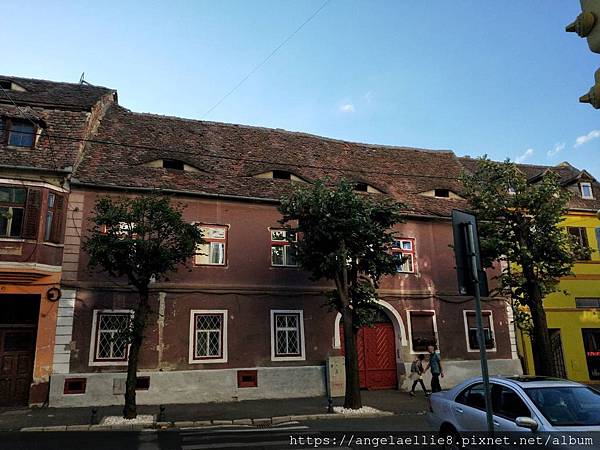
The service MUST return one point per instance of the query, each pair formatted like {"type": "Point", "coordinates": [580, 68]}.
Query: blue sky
{"type": "Point", "coordinates": [501, 78]}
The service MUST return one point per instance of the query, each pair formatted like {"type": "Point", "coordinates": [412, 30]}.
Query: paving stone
{"type": "Point", "coordinates": [202, 423]}
{"type": "Point", "coordinates": [78, 427]}
{"type": "Point", "coordinates": [56, 428]}
{"type": "Point", "coordinates": [222, 422]}
{"type": "Point", "coordinates": [242, 422]}
{"type": "Point", "coordinates": [281, 419]}
{"type": "Point", "coordinates": [184, 424]}
{"type": "Point", "coordinates": [265, 421]}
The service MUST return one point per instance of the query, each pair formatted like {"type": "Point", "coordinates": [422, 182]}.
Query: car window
{"type": "Point", "coordinates": [473, 396]}
{"type": "Point", "coordinates": [568, 405]}
{"type": "Point", "coordinates": [507, 403]}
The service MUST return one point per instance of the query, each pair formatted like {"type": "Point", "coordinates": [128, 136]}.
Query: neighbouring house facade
{"type": "Point", "coordinates": [35, 165]}
{"type": "Point", "coordinates": [573, 311]}
{"type": "Point", "coordinates": [244, 322]}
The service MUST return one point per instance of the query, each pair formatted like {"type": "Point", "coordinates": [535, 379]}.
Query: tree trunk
{"type": "Point", "coordinates": [541, 346]}
{"type": "Point", "coordinates": [352, 399]}
{"type": "Point", "coordinates": [137, 337]}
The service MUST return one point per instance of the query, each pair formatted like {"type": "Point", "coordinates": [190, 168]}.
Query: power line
{"type": "Point", "coordinates": [264, 61]}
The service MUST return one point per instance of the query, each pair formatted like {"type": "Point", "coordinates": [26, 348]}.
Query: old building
{"type": "Point", "coordinates": [246, 322]}
{"type": "Point", "coordinates": [41, 127]}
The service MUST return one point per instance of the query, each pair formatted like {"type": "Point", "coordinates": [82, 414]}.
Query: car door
{"type": "Point", "coordinates": [469, 409]}
{"type": "Point", "coordinates": [507, 405]}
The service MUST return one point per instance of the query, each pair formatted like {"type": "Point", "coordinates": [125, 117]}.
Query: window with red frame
{"type": "Point", "coordinates": [282, 253]}
{"type": "Point", "coordinates": [404, 253]}
{"type": "Point", "coordinates": [214, 250]}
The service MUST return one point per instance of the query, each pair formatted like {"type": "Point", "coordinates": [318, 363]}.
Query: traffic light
{"type": "Point", "coordinates": [587, 25]}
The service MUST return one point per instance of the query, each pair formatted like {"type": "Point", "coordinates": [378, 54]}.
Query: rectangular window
{"type": "Point", "coordinates": [580, 234]}
{"type": "Point", "coordinates": [404, 253]}
{"type": "Point", "coordinates": [21, 133]}
{"type": "Point", "coordinates": [587, 302]}
{"type": "Point", "coordinates": [282, 253]}
{"type": "Point", "coordinates": [422, 330]}
{"type": "Point", "coordinates": [471, 330]}
{"type": "Point", "coordinates": [586, 190]}
{"type": "Point", "coordinates": [208, 336]}
{"type": "Point", "coordinates": [12, 211]}
{"type": "Point", "coordinates": [287, 335]}
{"type": "Point", "coordinates": [109, 337]}
{"type": "Point", "coordinates": [213, 251]}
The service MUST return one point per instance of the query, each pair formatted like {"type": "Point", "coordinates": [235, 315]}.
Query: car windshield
{"type": "Point", "coordinates": [567, 406]}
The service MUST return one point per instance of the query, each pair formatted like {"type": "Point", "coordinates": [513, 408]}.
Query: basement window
{"type": "Point", "coordinates": [74, 386]}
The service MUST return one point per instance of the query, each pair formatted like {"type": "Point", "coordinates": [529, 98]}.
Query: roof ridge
{"type": "Point", "coordinates": [13, 78]}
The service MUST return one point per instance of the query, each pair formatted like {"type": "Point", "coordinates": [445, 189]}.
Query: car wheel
{"type": "Point", "coordinates": [451, 438]}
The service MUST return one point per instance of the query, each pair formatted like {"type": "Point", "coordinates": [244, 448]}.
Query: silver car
{"type": "Point", "coordinates": [520, 404]}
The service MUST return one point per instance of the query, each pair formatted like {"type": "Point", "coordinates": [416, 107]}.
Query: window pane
{"type": "Point", "coordinates": [21, 134]}
{"type": "Point", "coordinates": [277, 255]}
{"type": "Point", "coordinates": [213, 232]}
{"type": "Point", "coordinates": [291, 256]}
{"type": "Point", "coordinates": [17, 222]}
{"type": "Point", "coordinates": [3, 221]}
{"type": "Point", "coordinates": [12, 195]}
{"type": "Point", "coordinates": [104, 345]}
{"type": "Point", "coordinates": [48, 228]}
{"type": "Point", "coordinates": [51, 198]}
{"type": "Point", "coordinates": [278, 235]}
{"type": "Point", "coordinates": [214, 343]}
{"type": "Point", "coordinates": [406, 245]}
{"type": "Point", "coordinates": [217, 253]}
{"type": "Point", "coordinates": [202, 344]}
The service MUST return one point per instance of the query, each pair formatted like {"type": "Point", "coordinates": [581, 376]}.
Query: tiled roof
{"type": "Point", "coordinates": [44, 92]}
{"type": "Point", "coordinates": [568, 176]}
{"type": "Point", "coordinates": [229, 155]}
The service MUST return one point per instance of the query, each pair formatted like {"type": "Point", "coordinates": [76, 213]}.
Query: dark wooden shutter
{"type": "Point", "coordinates": [32, 214]}
{"type": "Point", "coordinates": [57, 219]}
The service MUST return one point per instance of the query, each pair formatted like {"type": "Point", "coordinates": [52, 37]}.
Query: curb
{"type": "Point", "coordinates": [188, 424]}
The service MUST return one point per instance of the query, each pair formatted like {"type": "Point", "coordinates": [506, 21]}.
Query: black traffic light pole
{"type": "Point", "coordinates": [473, 265]}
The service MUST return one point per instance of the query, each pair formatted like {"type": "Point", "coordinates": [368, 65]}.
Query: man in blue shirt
{"type": "Point", "coordinates": [435, 365]}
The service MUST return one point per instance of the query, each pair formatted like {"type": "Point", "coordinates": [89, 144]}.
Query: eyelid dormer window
{"type": "Point", "coordinates": [365, 187]}
{"type": "Point", "coordinates": [585, 189]}
{"type": "Point", "coordinates": [280, 175]}
{"type": "Point", "coordinates": [172, 164]}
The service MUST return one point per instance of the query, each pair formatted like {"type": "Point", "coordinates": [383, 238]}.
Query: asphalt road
{"type": "Point", "coordinates": [293, 435]}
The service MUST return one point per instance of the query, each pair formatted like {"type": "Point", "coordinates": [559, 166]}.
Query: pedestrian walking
{"type": "Point", "coordinates": [416, 374]}
{"type": "Point", "coordinates": [435, 365]}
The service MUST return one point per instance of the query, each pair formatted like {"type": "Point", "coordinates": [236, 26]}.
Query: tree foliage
{"type": "Point", "coordinates": [142, 239]}
{"type": "Point", "coordinates": [520, 224]}
{"type": "Point", "coordinates": [345, 237]}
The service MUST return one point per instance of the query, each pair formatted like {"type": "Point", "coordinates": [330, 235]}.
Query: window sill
{"type": "Point", "coordinates": [53, 244]}
{"type": "Point", "coordinates": [287, 358]}
{"type": "Point", "coordinates": [208, 361]}
{"type": "Point", "coordinates": [107, 363]}
{"type": "Point", "coordinates": [9, 239]}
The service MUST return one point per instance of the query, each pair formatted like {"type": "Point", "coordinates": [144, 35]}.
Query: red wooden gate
{"type": "Point", "coordinates": [376, 356]}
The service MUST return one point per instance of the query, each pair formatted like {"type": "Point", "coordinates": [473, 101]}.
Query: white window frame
{"type": "Point", "coordinates": [285, 244]}
{"type": "Point", "coordinates": [466, 323]}
{"type": "Point", "coordinates": [192, 336]}
{"type": "Point", "coordinates": [435, 329]}
{"type": "Point", "coordinates": [94, 338]}
{"type": "Point", "coordinates": [588, 185]}
{"type": "Point", "coordinates": [302, 356]}
{"type": "Point", "coordinates": [209, 241]}
{"type": "Point", "coordinates": [412, 253]}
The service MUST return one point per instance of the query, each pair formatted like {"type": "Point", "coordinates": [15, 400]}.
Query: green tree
{"type": "Point", "coordinates": [141, 239]}
{"type": "Point", "coordinates": [520, 225]}
{"type": "Point", "coordinates": [345, 237]}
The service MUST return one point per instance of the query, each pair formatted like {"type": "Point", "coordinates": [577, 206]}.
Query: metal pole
{"type": "Point", "coordinates": [480, 336]}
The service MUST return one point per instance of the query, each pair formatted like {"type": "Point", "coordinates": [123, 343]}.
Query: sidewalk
{"type": "Point", "coordinates": [397, 402]}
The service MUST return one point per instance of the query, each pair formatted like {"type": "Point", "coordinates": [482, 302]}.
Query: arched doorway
{"type": "Point", "coordinates": [376, 347]}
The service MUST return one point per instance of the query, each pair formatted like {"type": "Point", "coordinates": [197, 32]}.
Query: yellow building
{"type": "Point", "coordinates": [574, 316]}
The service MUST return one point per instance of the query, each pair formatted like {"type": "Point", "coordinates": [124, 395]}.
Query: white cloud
{"type": "Point", "coordinates": [526, 155]}
{"type": "Point", "coordinates": [587, 138]}
{"type": "Point", "coordinates": [347, 108]}
{"type": "Point", "coordinates": [558, 147]}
